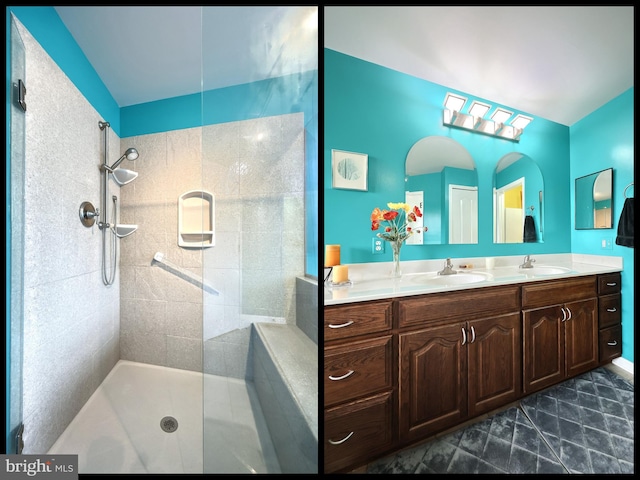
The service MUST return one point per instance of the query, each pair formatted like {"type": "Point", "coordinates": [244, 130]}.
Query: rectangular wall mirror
{"type": "Point", "coordinates": [593, 201]}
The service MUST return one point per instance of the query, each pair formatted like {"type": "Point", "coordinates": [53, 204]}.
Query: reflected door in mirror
{"type": "Point", "coordinates": [435, 165]}
{"type": "Point", "coordinates": [463, 214]}
{"type": "Point", "coordinates": [517, 193]}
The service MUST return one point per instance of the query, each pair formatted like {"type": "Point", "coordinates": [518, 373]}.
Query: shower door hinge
{"type": "Point", "coordinates": [19, 441]}
{"type": "Point", "coordinates": [20, 91]}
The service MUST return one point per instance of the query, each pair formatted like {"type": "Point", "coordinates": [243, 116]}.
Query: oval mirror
{"type": "Point", "coordinates": [593, 200]}
{"type": "Point", "coordinates": [441, 179]}
{"type": "Point", "coordinates": [517, 200]}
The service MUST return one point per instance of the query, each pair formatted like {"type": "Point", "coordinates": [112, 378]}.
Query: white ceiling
{"type": "Point", "coordinates": [558, 63]}
{"type": "Point", "coordinates": [144, 54]}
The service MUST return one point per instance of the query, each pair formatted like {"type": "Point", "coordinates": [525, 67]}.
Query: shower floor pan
{"type": "Point", "coordinates": [150, 419]}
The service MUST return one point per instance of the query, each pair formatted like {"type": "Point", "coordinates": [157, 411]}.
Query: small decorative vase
{"type": "Point", "coordinates": [395, 248]}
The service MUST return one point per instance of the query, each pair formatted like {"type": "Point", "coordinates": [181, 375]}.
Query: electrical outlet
{"type": "Point", "coordinates": [606, 244]}
{"type": "Point", "coordinates": [377, 245]}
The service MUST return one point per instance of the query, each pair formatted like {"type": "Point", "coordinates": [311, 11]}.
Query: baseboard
{"type": "Point", "coordinates": [626, 365]}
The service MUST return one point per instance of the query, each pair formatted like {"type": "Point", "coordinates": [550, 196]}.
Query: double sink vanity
{"type": "Point", "coordinates": [407, 358]}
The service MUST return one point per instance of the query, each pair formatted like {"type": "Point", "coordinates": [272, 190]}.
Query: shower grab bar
{"type": "Point", "coordinates": [160, 258]}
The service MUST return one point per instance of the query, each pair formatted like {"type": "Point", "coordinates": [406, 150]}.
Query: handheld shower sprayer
{"type": "Point", "coordinates": [130, 154]}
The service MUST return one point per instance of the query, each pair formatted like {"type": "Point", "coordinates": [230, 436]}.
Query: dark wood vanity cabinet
{"type": "Point", "coordinates": [609, 317]}
{"type": "Point", "coordinates": [454, 370]}
{"type": "Point", "coordinates": [560, 331]}
{"type": "Point", "coordinates": [400, 370]}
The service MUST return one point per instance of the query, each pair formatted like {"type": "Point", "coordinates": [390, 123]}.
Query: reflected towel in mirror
{"type": "Point", "coordinates": [529, 235]}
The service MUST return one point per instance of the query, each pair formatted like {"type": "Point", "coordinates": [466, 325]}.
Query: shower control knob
{"type": "Point", "coordinates": [88, 214]}
{"type": "Point", "coordinates": [92, 214]}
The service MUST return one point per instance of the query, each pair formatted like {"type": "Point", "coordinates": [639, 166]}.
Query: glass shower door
{"type": "Point", "coordinates": [259, 135]}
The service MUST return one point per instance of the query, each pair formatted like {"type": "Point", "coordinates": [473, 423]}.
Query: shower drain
{"type": "Point", "coordinates": [169, 424]}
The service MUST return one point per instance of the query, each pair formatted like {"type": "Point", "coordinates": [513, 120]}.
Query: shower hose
{"type": "Point", "coordinates": [108, 279]}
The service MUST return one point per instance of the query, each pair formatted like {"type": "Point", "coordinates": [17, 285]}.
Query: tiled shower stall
{"type": "Point", "coordinates": [76, 328]}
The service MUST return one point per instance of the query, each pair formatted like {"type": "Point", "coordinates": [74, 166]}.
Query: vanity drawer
{"type": "Point", "coordinates": [609, 310]}
{"type": "Point", "coordinates": [459, 305]}
{"type": "Point", "coordinates": [550, 292]}
{"type": "Point", "coordinates": [357, 369]}
{"type": "Point", "coordinates": [609, 283]}
{"type": "Point", "coordinates": [355, 433]}
{"type": "Point", "coordinates": [610, 343]}
{"type": "Point", "coordinates": [346, 321]}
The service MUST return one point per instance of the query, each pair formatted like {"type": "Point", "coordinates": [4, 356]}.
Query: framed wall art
{"type": "Point", "coordinates": [349, 170]}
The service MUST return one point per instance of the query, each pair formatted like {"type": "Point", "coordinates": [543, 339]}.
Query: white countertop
{"type": "Point", "coordinates": [373, 281]}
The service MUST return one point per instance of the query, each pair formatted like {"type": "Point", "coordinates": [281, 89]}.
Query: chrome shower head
{"type": "Point", "coordinates": [130, 154]}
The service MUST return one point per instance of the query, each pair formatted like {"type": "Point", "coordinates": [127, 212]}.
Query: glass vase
{"type": "Point", "coordinates": [395, 248]}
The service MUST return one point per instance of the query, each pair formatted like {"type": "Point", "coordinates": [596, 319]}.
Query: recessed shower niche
{"type": "Point", "coordinates": [196, 219]}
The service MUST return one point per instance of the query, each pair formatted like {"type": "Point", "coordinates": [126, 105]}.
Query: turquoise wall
{"type": "Point", "coordinates": [605, 139]}
{"type": "Point", "coordinates": [381, 112]}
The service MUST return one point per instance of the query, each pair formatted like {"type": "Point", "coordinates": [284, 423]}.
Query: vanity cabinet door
{"type": "Point", "coordinates": [581, 337]}
{"type": "Point", "coordinates": [495, 359]}
{"type": "Point", "coordinates": [433, 380]}
{"type": "Point", "coordinates": [543, 345]}
{"type": "Point", "coordinates": [559, 342]}
{"type": "Point", "coordinates": [454, 372]}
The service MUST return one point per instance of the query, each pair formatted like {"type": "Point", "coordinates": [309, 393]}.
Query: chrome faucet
{"type": "Point", "coordinates": [448, 268]}
{"type": "Point", "coordinates": [527, 262]}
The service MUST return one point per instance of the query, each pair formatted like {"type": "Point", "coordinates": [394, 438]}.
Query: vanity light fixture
{"type": "Point", "coordinates": [501, 115]}
{"type": "Point", "coordinates": [478, 110]}
{"type": "Point", "coordinates": [474, 120]}
{"type": "Point", "coordinates": [454, 102]}
{"type": "Point", "coordinates": [521, 121]}
{"type": "Point", "coordinates": [518, 124]}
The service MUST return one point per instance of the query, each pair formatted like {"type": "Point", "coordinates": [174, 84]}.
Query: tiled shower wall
{"type": "Point", "coordinates": [255, 170]}
{"type": "Point", "coordinates": [71, 319]}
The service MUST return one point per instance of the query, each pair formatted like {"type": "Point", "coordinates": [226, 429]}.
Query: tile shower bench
{"type": "Point", "coordinates": [285, 366]}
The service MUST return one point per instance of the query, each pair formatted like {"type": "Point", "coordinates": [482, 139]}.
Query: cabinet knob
{"type": "Point", "coordinates": [614, 309]}
{"type": "Point", "coordinates": [464, 336]}
{"type": "Point", "coordinates": [473, 334]}
{"type": "Point", "coordinates": [613, 284]}
{"type": "Point", "coordinates": [338, 442]}
{"type": "Point", "coordinates": [564, 314]}
{"type": "Point", "coordinates": [342, 377]}
{"type": "Point", "coordinates": [331, 325]}
{"type": "Point", "coordinates": [612, 344]}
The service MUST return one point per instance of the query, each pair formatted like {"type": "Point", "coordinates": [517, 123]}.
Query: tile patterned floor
{"type": "Point", "coordinates": [584, 425]}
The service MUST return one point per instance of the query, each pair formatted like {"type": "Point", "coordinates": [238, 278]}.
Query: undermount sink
{"type": "Point", "coordinates": [545, 270]}
{"type": "Point", "coordinates": [456, 279]}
